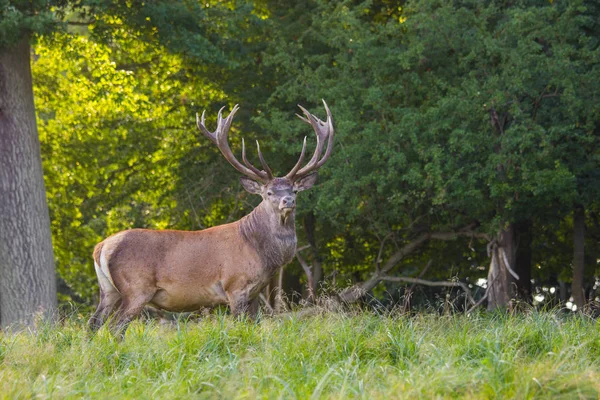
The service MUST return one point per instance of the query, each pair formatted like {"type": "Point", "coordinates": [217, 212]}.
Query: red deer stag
{"type": "Point", "coordinates": [227, 264]}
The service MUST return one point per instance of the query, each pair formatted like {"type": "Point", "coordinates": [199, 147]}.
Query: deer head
{"type": "Point", "coordinates": [229, 263]}
{"type": "Point", "coordinates": [278, 193]}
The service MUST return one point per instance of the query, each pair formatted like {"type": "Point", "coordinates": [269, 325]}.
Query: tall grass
{"type": "Point", "coordinates": [332, 355]}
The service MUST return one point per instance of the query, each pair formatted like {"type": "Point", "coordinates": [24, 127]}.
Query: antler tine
{"type": "Point", "coordinates": [220, 115]}
{"type": "Point", "coordinates": [314, 122]}
{"type": "Point", "coordinates": [263, 162]}
{"type": "Point", "coordinates": [324, 132]}
{"type": "Point", "coordinates": [248, 164]}
{"type": "Point", "coordinates": [219, 137]}
{"type": "Point", "coordinates": [331, 132]}
{"type": "Point", "coordinates": [229, 119]}
{"type": "Point", "coordinates": [291, 174]}
{"type": "Point", "coordinates": [301, 117]}
{"type": "Point", "coordinates": [202, 127]}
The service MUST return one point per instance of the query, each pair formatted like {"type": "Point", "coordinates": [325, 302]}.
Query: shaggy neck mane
{"type": "Point", "coordinates": [273, 237]}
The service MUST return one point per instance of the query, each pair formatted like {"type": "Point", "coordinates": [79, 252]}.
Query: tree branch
{"type": "Point", "coordinates": [266, 303]}
{"type": "Point", "coordinates": [380, 253]}
{"type": "Point", "coordinates": [408, 292]}
{"type": "Point", "coordinates": [358, 290]}
{"type": "Point", "coordinates": [305, 247]}
{"type": "Point", "coordinates": [309, 276]}
{"type": "Point", "coordinates": [419, 281]}
{"type": "Point", "coordinates": [481, 300]}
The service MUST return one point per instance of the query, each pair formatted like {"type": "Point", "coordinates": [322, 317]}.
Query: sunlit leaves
{"type": "Point", "coordinates": [112, 121]}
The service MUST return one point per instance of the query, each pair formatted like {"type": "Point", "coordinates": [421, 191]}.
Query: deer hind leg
{"type": "Point", "coordinates": [109, 301]}
{"type": "Point", "coordinates": [130, 308]}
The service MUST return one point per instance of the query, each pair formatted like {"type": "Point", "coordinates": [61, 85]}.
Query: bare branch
{"type": "Point", "coordinates": [409, 291]}
{"type": "Point", "coordinates": [379, 254]}
{"type": "Point", "coordinates": [418, 281]}
{"type": "Point", "coordinates": [507, 264]}
{"type": "Point", "coordinates": [358, 290]}
{"type": "Point", "coordinates": [309, 276]}
{"type": "Point", "coordinates": [266, 303]}
{"type": "Point", "coordinates": [305, 247]}
{"type": "Point", "coordinates": [481, 300]}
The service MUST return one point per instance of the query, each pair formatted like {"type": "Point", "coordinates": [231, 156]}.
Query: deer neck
{"type": "Point", "coordinates": [273, 237]}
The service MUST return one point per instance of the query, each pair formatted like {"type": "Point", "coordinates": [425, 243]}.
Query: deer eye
{"type": "Point", "coordinates": [269, 193]}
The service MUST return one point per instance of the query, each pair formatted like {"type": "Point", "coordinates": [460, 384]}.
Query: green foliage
{"type": "Point", "coordinates": [418, 95]}
{"type": "Point", "coordinates": [21, 18]}
{"type": "Point", "coordinates": [450, 114]}
{"type": "Point", "coordinates": [115, 126]}
{"type": "Point", "coordinates": [210, 32]}
{"type": "Point", "coordinates": [536, 355]}
{"type": "Point", "coordinates": [447, 114]}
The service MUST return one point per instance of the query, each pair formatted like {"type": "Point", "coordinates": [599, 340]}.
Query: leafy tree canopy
{"type": "Point", "coordinates": [447, 115]}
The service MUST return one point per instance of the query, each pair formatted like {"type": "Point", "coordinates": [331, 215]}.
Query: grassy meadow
{"type": "Point", "coordinates": [329, 355]}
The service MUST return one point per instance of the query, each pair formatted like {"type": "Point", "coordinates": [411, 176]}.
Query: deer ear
{"type": "Point", "coordinates": [306, 182]}
{"type": "Point", "coordinates": [250, 185]}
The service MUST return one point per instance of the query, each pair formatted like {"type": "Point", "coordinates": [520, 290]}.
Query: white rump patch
{"type": "Point", "coordinates": [104, 278]}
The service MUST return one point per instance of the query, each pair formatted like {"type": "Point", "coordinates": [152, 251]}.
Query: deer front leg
{"type": "Point", "coordinates": [253, 307]}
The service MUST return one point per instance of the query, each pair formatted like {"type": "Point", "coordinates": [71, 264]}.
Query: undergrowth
{"type": "Point", "coordinates": [329, 355]}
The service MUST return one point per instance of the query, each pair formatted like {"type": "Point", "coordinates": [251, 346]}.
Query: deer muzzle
{"type": "Point", "coordinates": [288, 203]}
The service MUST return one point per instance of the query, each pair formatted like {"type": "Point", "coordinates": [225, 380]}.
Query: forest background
{"type": "Point", "coordinates": [466, 151]}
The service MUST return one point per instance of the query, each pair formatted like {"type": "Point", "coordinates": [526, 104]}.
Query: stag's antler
{"type": "Point", "coordinates": [219, 137]}
{"type": "Point", "coordinates": [324, 132]}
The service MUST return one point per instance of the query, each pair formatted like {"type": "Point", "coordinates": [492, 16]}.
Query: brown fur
{"type": "Point", "coordinates": [184, 271]}
{"type": "Point", "coordinates": [227, 264]}
{"type": "Point", "coordinates": [97, 250]}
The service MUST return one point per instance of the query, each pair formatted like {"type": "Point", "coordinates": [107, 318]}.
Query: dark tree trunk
{"type": "Point", "coordinates": [523, 260]}
{"type": "Point", "coordinates": [500, 281]}
{"type": "Point", "coordinates": [577, 289]}
{"type": "Point", "coordinates": [27, 280]}
{"type": "Point", "coordinates": [563, 292]}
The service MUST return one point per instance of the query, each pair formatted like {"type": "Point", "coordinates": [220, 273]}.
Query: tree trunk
{"type": "Point", "coordinates": [500, 289]}
{"type": "Point", "coordinates": [27, 280]}
{"type": "Point", "coordinates": [523, 260]}
{"type": "Point", "coordinates": [562, 291]}
{"type": "Point", "coordinates": [577, 289]}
